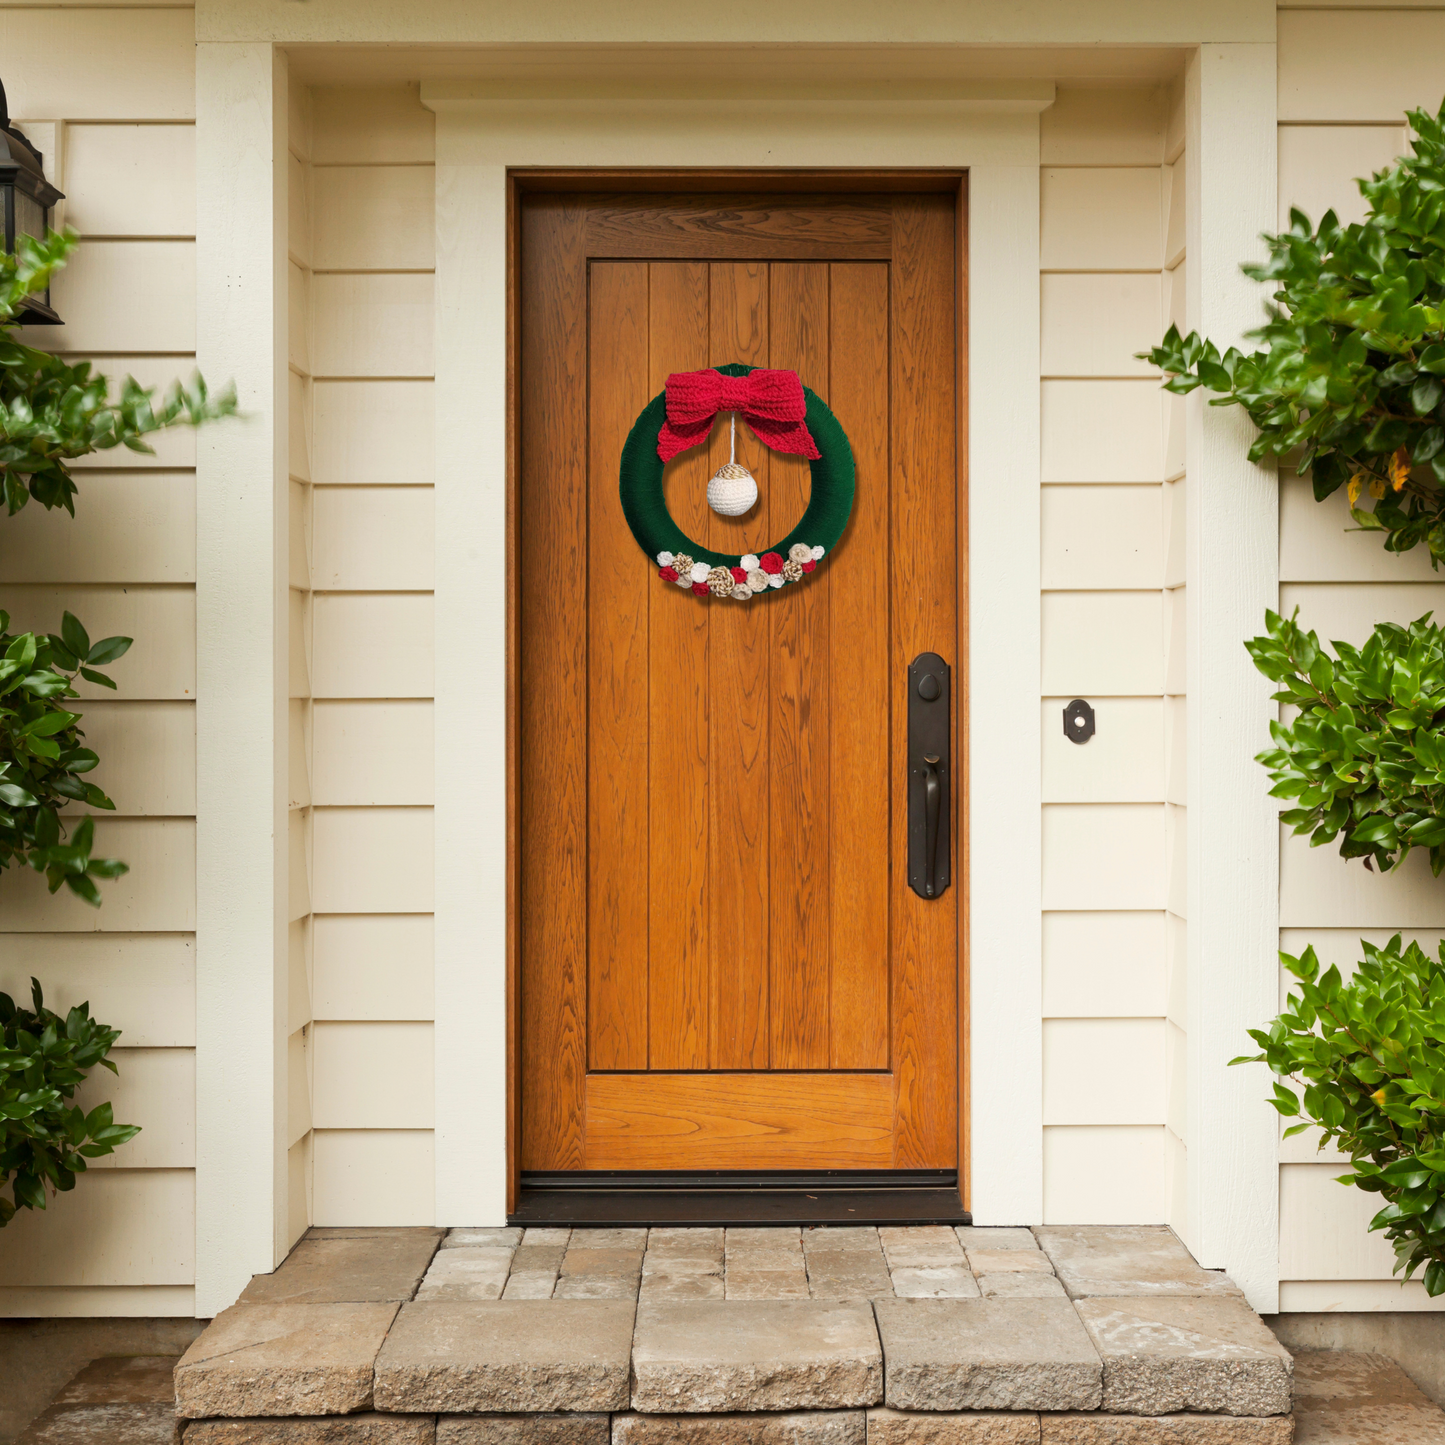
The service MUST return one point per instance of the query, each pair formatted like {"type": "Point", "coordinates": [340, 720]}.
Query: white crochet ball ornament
{"type": "Point", "coordinates": [732, 490]}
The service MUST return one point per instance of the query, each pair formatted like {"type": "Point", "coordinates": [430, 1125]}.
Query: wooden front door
{"type": "Point", "coordinates": [721, 964]}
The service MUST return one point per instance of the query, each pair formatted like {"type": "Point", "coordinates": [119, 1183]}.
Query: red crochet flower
{"type": "Point", "coordinates": [738, 574]}
{"type": "Point", "coordinates": [700, 588]}
{"type": "Point", "coordinates": [771, 562]}
{"type": "Point", "coordinates": [808, 566]}
{"type": "Point", "coordinates": [668, 574]}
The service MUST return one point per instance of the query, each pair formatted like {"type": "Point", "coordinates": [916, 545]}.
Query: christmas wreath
{"type": "Point", "coordinates": [786, 417]}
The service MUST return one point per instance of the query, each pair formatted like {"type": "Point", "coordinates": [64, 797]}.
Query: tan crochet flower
{"type": "Point", "coordinates": [758, 579]}
{"type": "Point", "coordinates": [720, 582]}
{"type": "Point", "coordinates": [799, 552]}
{"type": "Point", "coordinates": [682, 564]}
{"type": "Point", "coordinates": [792, 570]}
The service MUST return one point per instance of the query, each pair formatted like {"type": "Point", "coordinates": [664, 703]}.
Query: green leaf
{"type": "Point", "coordinates": [91, 675]}
{"type": "Point", "coordinates": [77, 640]}
{"type": "Point", "coordinates": [107, 650]}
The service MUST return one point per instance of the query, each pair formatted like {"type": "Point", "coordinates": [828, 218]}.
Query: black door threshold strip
{"type": "Point", "coordinates": [601, 1198]}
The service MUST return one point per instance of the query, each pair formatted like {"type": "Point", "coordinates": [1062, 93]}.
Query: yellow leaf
{"type": "Point", "coordinates": [1377, 489]}
{"type": "Point", "coordinates": [1356, 482]}
{"type": "Point", "coordinates": [1399, 468]}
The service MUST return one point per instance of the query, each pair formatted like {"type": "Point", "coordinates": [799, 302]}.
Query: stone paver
{"type": "Point", "coordinates": [536, 1257]}
{"type": "Point", "coordinates": [1020, 1285]}
{"type": "Point", "coordinates": [1127, 1260]}
{"type": "Point", "coordinates": [987, 1354]}
{"type": "Point", "coordinates": [766, 1284]}
{"type": "Point", "coordinates": [664, 1285]}
{"type": "Point", "coordinates": [346, 1269]}
{"type": "Point", "coordinates": [754, 1355]}
{"type": "Point", "coordinates": [1103, 1429]}
{"type": "Point", "coordinates": [123, 1380]}
{"type": "Point", "coordinates": [1199, 1352]}
{"type": "Point", "coordinates": [466, 1273]}
{"type": "Point", "coordinates": [920, 1246]}
{"type": "Point", "coordinates": [508, 1238]}
{"type": "Point", "coordinates": [684, 1239]}
{"type": "Point", "coordinates": [507, 1356]}
{"type": "Point", "coordinates": [283, 1359]}
{"type": "Point", "coordinates": [367, 1429]}
{"type": "Point", "coordinates": [966, 1427]}
{"type": "Point", "coordinates": [102, 1424]}
{"type": "Point", "coordinates": [530, 1284]}
{"type": "Point", "coordinates": [551, 1429]}
{"type": "Point", "coordinates": [610, 1239]}
{"type": "Point", "coordinates": [952, 1281]}
{"type": "Point", "coordinates": [546, 1236]}
{"type": "Point", "coordinates": [1009, 1261]}
{"type": "Point", "coordinates": [973, 1236]}
{"type": "Point", "coordinates": [601, 1261]}
{"type": "Point", "coordinates": [1342, 1397]}
{"type": "Point", "coordinates": [804, 1427]}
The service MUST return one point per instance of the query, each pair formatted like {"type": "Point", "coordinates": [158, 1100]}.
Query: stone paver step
{"type": "Point", "coordinates": [929, 1335]}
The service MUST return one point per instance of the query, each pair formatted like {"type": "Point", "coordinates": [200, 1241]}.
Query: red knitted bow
{"type": "Point", "coordinates": [771, 402]}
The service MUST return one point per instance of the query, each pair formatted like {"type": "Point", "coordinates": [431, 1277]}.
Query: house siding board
{"type": "Point", "coordinates": [1345, 76]}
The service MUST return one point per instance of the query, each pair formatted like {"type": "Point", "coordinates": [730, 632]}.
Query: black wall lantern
{"type": "Point", "coordinates": [25, 201]}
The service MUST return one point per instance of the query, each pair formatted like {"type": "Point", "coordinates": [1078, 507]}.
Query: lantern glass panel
{"type": "Point", "coordinates": [29, 217]}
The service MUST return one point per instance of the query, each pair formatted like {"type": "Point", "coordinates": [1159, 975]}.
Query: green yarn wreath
{"type": "Point", "coordinates": [645, 507]}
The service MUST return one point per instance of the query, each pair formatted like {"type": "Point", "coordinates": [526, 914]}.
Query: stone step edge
{"type": "Point", "coordinates": [871, 1425]}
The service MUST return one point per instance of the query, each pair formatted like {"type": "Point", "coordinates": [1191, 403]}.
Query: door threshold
{"type": "Point", "coordinates": [712, 1198]}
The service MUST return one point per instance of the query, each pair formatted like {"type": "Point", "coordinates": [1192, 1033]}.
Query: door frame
{"type": "Point", "coordinates": [487, 149]}
{"type": "Point", "coordinates": [704, 181]}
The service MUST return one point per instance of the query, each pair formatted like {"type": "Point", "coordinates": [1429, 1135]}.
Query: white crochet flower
{"type": "Point", "coordinates": [742, 591]}
{"type": "Point", "coordinates": [750, 563]}
{"type": "Point", "coordinates": [775, 579]}
{"type": "Point", "coordinates": [685, 580]}
{"type": "Point", "coordinates": [699, 571]}
{"type": "Point", "coordinates": [757, 578]}
{"type": "Point", "coordinates": [664, 559]}
{"type": "Point", "coordinates": [817, 554]}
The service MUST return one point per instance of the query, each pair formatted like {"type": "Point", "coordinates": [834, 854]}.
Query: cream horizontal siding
{"type": "Point", "coordinates": [117, 1227]}
{"type": "Point", "coordinates": [111, 94]}
{"type": "Point", "coordinates": [131, 180]}
{"type": "Point", "coordinates": [1346, 76]}
{"type": "Point", "coordinates": [140, 983]}
{"type": "Point", "coordinates": [1110, 528]}
{"type": "Point", "coordinates": [135, 63]}
{"type": "Point", "coordinates": [367, 255]}
{"type": "Point", "coordinates": [350, 1165]}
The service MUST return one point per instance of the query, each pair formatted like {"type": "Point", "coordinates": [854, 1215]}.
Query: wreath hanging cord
{"type": "Point", "coordinates": [728, 574]}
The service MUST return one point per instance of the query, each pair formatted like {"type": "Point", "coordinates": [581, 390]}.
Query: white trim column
{"type": "Point", "coordinates": [1232, 554]}
{"type": "Point", "coordinates": [241, 674]}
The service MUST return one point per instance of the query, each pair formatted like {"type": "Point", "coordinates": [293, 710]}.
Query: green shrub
{"type": "Point", "coordinates": [1364, 758]}
{"type": "Point", "coordinates": [42, 758]}
{"type": "Point", "coordinates": [43, 1058]}
{"type": "Point", "coordinates": [52, 411]}
{"type": "Point", "coordinates": [1370, 1057]}
{"type": "Point", "coordinates": [1352, 373]}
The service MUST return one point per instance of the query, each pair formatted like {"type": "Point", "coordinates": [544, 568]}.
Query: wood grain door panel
{"type": "Point", "coordinates": [722, 965]}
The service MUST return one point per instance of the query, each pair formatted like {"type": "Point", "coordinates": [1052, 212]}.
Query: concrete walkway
{"type": "Point", "coordinates": [766, 1336]}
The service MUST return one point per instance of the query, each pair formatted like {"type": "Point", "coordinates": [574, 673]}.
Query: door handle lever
{"type": "Point", "coordinates": [929, 743]}
{"type": "Point", "coordinates": [932, 797]}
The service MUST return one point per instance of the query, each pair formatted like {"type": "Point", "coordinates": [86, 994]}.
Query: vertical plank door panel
{"type": "Point", "coordinates": [924, 934]}
{"type": "Point", "coordinates": [678, 704]}
{"type": "Point", "coordinates": [738, 649]}
{"type": "Point", "coordinates": [617, 657]}
{"type": "Point", "coordinates": [800, 936]}
{"type": "Point", "coordinates": [859, 678]}
{"type": "Point", "coordinates": [722, 964]}
{"type": "Point", "coordinates": [553, 700]}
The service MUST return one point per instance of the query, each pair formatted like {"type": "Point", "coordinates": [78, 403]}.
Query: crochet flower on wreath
{"type": "Point", "coordinates": [752, 576]}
